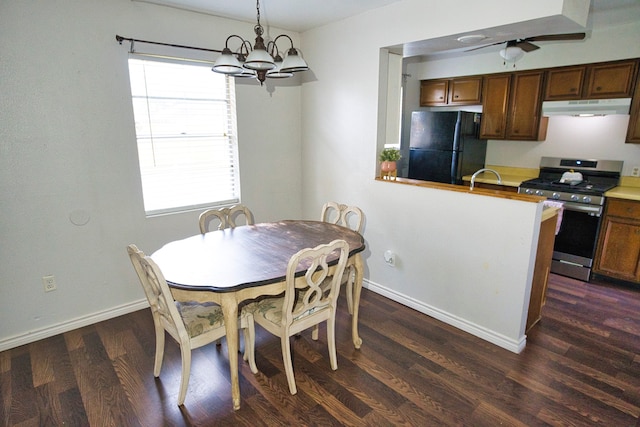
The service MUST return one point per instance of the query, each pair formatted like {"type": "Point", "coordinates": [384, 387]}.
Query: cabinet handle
{"type": "Point", "coordinates": [599, 88]}
{"type": "Point", "coordinates": [573, 89]}
{"type": "Point", "coordinates": [456, 96]}
{"type": "Point", "coordinates": [442, 97]}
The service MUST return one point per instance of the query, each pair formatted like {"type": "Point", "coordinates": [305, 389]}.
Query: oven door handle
{"type": "Point", "coordinates": [588, 209]}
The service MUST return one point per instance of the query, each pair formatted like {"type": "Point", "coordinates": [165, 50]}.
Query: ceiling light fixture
{"type": "Point", "coordinates": [511, 54]}
{"type": "Point", "coordinates": [261, 60]}
{"type": "Point", "coordinates": [471, 38]}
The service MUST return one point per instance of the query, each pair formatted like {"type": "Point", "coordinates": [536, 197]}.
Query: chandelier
{"type": "Point", "coordinates": [260, 61]}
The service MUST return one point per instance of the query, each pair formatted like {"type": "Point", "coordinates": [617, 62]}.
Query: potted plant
{"type": "Point", "coordinates": [388, 158]}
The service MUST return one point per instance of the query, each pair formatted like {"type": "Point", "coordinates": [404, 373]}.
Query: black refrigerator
{"type": "Point", "coordinates": [444, 146]}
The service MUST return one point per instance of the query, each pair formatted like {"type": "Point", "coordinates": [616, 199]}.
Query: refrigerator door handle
{"type": "Point", "coordinates": [454, 166]}
{"type": "Point", "coordinates": [457, 134]}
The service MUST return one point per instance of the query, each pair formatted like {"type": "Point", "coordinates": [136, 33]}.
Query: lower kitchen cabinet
{"type": "Point", "coordinates": [542, 269]}
{"type": "Point", "coordinates": [618, 251]}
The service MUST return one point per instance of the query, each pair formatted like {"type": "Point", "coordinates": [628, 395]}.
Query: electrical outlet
{"type": "Point", "coordinates": [49, 283]}
{"type": "Point", "coordinates": [635, 171]}
{"type": "Point", "coordinates": [390, 258]}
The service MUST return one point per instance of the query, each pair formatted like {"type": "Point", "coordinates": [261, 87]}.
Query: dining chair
{"type": "Point", "coordinates": [191, 324]}
{"type": "Point", "coordinates": [235, 213]}
{"type": "Point", "coordinates": [350, 217]}
{"type": "Point", "coordinates": [340, 214]}
{"type": "Point", "coordinates": [225, 217]}
{"type": "Point", "coordinates": [288, 315]}
{"type": "Point", "coordinates": [210, 217]}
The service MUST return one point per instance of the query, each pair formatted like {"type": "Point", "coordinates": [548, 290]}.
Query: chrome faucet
{"type": "Point", "coordinates": [479, 171]}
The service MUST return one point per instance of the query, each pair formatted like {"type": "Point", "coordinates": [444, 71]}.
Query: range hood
{"type": "Point", "coordinates": [587, 107]}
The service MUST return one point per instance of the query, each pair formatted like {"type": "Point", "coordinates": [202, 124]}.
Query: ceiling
{"type": "Point", "coordinates": [302, 15]}
{"type": "Point", "coordinates": [292, 15]}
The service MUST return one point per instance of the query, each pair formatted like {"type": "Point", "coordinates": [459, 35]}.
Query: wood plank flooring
{"type": "Point", "coordinates": [581, 367]}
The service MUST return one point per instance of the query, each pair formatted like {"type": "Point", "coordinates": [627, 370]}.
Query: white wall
{"type": "Point", "coordinates": [67, 146]}
{"type": "Point", "coordinates": [463, 258]}
{"type": "Point", "coordinates": [592, 137]}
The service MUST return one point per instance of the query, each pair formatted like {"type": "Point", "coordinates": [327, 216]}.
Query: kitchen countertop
{"type": "Point", "coordinates": [548, 212]}
{"type": "Point", "coordinates": [628, 189]}
{"type": "Point", "coordinates": [511, 177]}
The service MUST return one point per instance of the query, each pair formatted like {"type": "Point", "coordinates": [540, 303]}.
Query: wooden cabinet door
{"type": "Point", "coordinates": [633, 131]}
{"type": "Point", "coordinates": [495, 98]}
{"type": "Point", "coordinates": [610, 80]}
{"type": "Point", "coordinates": [541, 270]}
{"type": "Point", "coordinates": [433, 92]}
{"type": "Point", "coordinates": [525, 105]}
{"type": "Point", "coordinates": [618, 252]}
{"type": "Point", "coordinates": [564, 83]}
{"type": "Point", "coordinates": [465, 91]}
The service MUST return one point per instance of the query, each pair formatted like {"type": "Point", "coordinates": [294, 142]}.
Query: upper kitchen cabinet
{"type": "Point", "coordinates": [564, 83]}
{"type": "Point", "coordinates": [591, 81]}
{"type": "Point", "coordinates": [511, 106]}
{"type": "Point", "coordinates": [433, 92]}
{"type": "Point", "coordinates": [457, 91]}
{"type": "Point", "coordinates": [610, 80]}
{"type": "Point", "coordinates": [495, 101]}
{"type": "Point", "coordinates": [633, 132]}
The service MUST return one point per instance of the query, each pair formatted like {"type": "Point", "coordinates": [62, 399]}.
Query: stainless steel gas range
{"type": "Point", "coordinates": [579, 184]}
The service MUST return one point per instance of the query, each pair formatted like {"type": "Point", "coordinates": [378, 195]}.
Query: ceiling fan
{"type": "Point", "coordinates": [515, 49]}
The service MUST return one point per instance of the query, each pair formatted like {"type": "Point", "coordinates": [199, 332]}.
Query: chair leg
{"type": "Point", "coordinates": [314, 332]}
{"type": "Point", "coordinates": [249, 334]}
{"type": "Point", "coordinates": [288, 365]}
{"type": "Point", "coordinates": [185, 351]}
{"type": "Point", "coordinates": [331, 340]}
{"type": "Point", "coordinates": [349, 291]}
{"type": "Point", "coordinates": [159, 350]}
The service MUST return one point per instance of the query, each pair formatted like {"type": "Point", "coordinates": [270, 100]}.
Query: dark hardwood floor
{"type": "Point", "coordinates": [581, 367]}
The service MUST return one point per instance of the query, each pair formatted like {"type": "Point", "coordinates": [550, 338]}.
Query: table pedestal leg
{"type": "Point", "coordinates": [357, 288]}
{"type": "Point", "coordinates": [230, 312]}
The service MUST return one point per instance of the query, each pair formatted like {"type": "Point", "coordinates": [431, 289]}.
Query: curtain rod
{"type": "Point", "coordinates": [120, 39]}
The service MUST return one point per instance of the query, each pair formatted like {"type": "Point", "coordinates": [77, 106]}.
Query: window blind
{"type": "Point", "coordinates": [186, 135]}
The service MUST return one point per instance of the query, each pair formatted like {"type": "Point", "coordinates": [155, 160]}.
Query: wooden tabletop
{"type": "Point", "coordinates": [252, 255]}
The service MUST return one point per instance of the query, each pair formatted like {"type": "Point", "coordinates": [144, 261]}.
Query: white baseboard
{"type": "Point", "coordinates": [515, 346]}
{"type": "Point", "coordinates": [462, 324]}
{"type": "Point", "coordinates": [32, 336]}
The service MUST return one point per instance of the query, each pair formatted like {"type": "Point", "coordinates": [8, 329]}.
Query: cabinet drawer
{"type": "Point", "coordinates": [623, 208]}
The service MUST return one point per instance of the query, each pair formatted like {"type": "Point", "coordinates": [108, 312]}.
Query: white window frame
{"type": "Point", "coordinates": [186, 135]}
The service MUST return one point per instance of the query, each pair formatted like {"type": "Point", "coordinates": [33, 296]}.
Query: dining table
{"type": "Point", "coordinates": [238, 264]}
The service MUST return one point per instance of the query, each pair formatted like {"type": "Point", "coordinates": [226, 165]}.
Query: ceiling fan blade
{"type": "Point", "coordinates": [526, 46]}
{"type": "Point", "coordinates": [482, 47]}
{"type": "Point", "coordinates": [556, 37]}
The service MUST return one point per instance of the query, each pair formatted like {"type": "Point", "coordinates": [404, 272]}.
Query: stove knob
{"type": "Point", "coordinates": [586, 199]}
{"type": "Point", "coordinates": [575, 197]}
{"type": "Point", "coordinates": [555, 196]}
{"type": "Point", "coordinates": [539, 193]}
{"type": "Point", "coordinates": [528, 191]}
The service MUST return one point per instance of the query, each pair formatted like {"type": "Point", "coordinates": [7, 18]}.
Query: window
{"type": "Point", "coordinates": [186, 134]}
